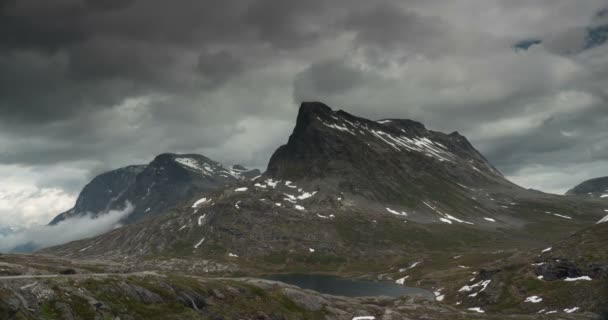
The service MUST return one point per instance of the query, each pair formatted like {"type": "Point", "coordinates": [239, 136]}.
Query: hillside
{"type": "Point", "coordinates": [154, 188]}
{"type": "Point", "coordinates": [596, 188]}
{"type": "Point", "coordinates": [352, 197]}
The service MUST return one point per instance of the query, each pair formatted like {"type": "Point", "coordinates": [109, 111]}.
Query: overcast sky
{"type": "Point", "coordinates": [90, 85]}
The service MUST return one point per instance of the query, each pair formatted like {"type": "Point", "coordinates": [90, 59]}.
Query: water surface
{"type": "Point", "coordinates": [347, 287]}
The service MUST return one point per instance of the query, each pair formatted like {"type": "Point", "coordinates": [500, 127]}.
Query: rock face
{"type": "Point", "coordinates": [154, 188]}
{"type": "Point", "coordinates": [382, 160]}
{"type": "Point", "coordinates": [597, 188]}
{"type": "Point", "coordinates": [103, 192]}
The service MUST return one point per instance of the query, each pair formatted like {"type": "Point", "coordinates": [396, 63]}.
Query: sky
{"type": "Point", "coordinates": [91, 85]}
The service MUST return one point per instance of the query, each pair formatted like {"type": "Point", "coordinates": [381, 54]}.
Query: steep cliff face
{"type": "Point", "coordinates": [103, 192]}
{"type": "Point", "coordinates": [383, 160]}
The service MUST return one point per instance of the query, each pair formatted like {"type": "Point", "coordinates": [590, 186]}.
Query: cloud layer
{"type": "Point", "coordinates": [90, 85]}
{"type": "Point", "coordinates": [38, 237]}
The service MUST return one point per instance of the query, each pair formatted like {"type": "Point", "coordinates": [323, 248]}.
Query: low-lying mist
{"type": "Point", "coordinates": [38, 237]}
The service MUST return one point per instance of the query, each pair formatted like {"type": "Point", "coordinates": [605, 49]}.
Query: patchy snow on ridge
{"type": "Point", "coordinates": [571, 310]}
{"type": "Point", "coordinates": [604, 219]}
{"type": "Point", "coordinates": [483, 284]}
{"type": "Point", "coordinates": [240, 189]}
{"type": "Point", "coordinates": [423, 145]}
{"type": "Point", "coordinates": [402, 280]}
{"type": "Point", "coordinates": [364, 318]}
{"type": "Point", "coordinates": [583, 278]}
{"type": "Point", "coordinates": [534, 299]}
{"type": "Point", "coordinates": [489, 219]}
{"type": "Point", "coordinates": [445, 217]}
{"type": "Point", "coordinates": [194, 165]}
{"type": "Point", "coordinates": [559, 215]}
{"type": "Point", "coordinates": [199, 202]}
{"type": "Point", "coordinates": [476, 309]}
{"type": "Point", "coordinates": [402, 213]}
{"type": "Point", "coordinates": [547, 250]}
{"type": "Point", "coordinates": [306, 195]}
{"type": "Point", "coordinates": [199, 243]}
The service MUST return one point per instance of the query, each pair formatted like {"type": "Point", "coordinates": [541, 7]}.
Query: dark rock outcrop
{"type": "Point", "coordinates": [382, 160]}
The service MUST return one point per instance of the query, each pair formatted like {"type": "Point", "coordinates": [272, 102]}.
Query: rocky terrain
{"type": "Point", "coordinates": [40, 287]}
{"type": "Point", "coordinates": [597, 188]}
{"type": "Point", "coordinates": [154, 188]}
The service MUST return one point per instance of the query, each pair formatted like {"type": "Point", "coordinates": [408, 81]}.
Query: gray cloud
{"type": "Point", "coordinates": [90, 85]}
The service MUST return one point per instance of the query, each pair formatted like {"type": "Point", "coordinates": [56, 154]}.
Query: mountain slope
{"type": "Point", "coordinates": [387, 160]}
{"type": "Point", "coordinates": [359, 204]}
{"type": "Point", "coordinates": [597, 188]}
{"type": "Point", "coordinates": [154, 188]}
{"type": "Point", "coordinates": [387, 188]}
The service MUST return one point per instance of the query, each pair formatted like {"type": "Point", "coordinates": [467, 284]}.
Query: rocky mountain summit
{"type": "Point", "coordinates": [386, 160]}
{"type": "Point", "coordinates": [597, 188]}
{"type": "Point", "coordinates": [154, 188]}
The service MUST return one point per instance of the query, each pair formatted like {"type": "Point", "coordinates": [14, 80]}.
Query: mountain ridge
{"type": "Point", "coordinates": [154, 188]}
{"type": "Point", "coordinates": [596, 187]}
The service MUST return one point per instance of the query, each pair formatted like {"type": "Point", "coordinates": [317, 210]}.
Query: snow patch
{"type": "Point", "coordinates": [533, 299]}
{"type": "Point", "coordinates": [571, 310]}
{"type": "Point", "coordinates": [199, 243]}
{"type": "Point", "coordinates": [604, 219]}
{"type": "Point", "coordinates": [483, 284]}
{"type": "Point", "coordinates": [199, 202]}
{"type": "Point", "coordinates": [583, 278]}
{"type": "Point", "coordinates": [200, 219]}
{"type": "Point", "coordinates": [402, 213]}
{"type": "Point", "coordinates": [476, 309]}
{"type": "Point", "coordinates": [402, 280]}
{"type": "Point", "coordinates": [559, 215]}
{"type": "Point", "coordinates": [240, 189]}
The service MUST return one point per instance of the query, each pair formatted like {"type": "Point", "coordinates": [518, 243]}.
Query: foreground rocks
{"type": "Point", "coordinates": [44, 287]}
{"type": "Point", "coordinates": [141, 296]}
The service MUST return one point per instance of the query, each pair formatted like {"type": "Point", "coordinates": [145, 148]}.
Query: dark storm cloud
{"type": "Point", "coordinates": [90, 85]}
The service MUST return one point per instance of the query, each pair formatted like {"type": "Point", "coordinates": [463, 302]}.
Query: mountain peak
{"type": "Point", "coordinates": [156, 187]}
{"type": "Point", "coordinates": [357, 152]}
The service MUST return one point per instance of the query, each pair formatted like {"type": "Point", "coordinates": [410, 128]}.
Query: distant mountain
{"type": "Point", "coordinates": [154, 188]}
{"type": "Point", "coordinates": [597, 188]}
